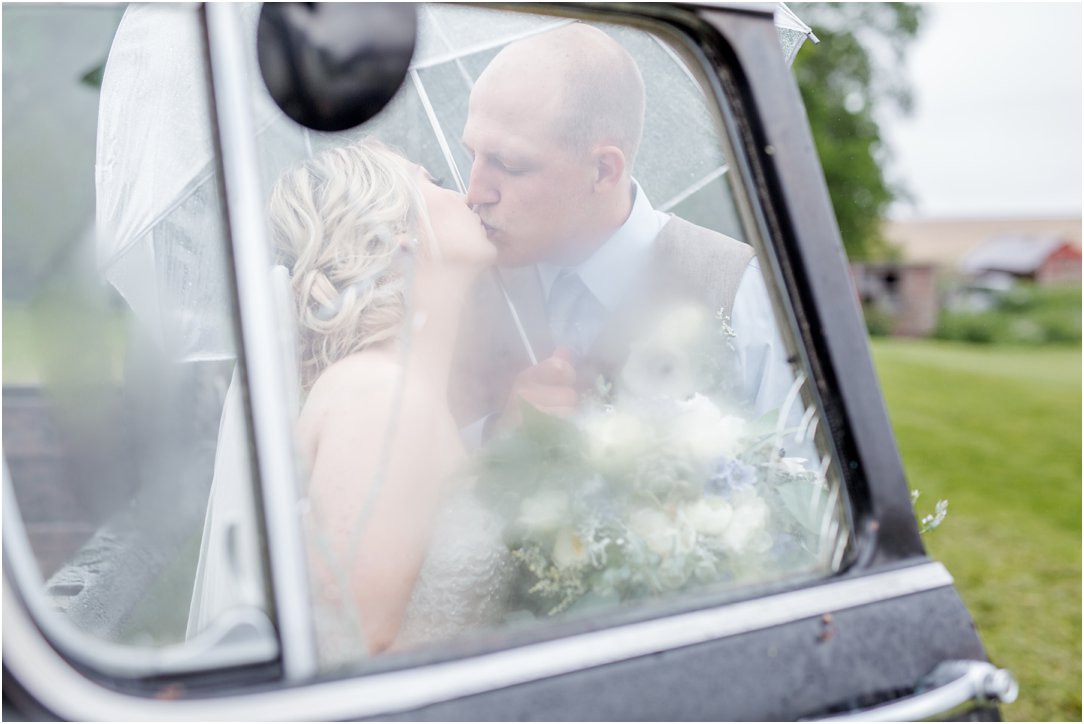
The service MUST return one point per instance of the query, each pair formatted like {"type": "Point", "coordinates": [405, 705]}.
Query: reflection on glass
{"type": "Point", "coordinates": [381, 259]}
{"type": "Point", "coordinates": [119, 338]}
{"type": "Point", "coordinates": [564, 389]}
{"type": "Point", "coordinates": [535, 363]}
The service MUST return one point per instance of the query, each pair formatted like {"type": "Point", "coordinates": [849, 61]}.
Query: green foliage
{"type": "Point", "coordinates": [929, 522]}
{"type": "Point", "coordinates": [844, 84]}
{"type": "Point", "coordinates": [878, 321]}
{"type": "Point", "coordinates": [1026, 314]}
{"type": "Point", "coordinates": [997, 430]}
{"type": "Point", "coordinates": [974, 327]}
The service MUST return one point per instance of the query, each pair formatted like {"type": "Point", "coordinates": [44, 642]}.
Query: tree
{"type": "Point", "coordinates": [854, 74]}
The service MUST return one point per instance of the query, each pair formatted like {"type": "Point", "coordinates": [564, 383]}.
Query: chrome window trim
{"type": "Point", "coordinates": [66, 692]}
{"type": "Point", "coordinates": [270, 408]}
{"type": "Point", "coordinates": [113, 659]}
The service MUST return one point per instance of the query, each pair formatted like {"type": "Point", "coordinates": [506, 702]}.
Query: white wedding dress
{"type": "Point", "coordinates": [463, 585]}
{"type": "Point", "coordinates": [465, 580]}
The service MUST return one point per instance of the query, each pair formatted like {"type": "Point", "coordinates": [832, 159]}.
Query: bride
{"type": "Point", "coordinates": [381, 259]}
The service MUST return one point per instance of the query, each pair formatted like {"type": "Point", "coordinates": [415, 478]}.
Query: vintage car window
{"type": "Point", "coordinates": [123, 402]}
{"type": "Point", "coordinates": [539, 370]}
{"type": "Point", "coordinates": [541, 374]}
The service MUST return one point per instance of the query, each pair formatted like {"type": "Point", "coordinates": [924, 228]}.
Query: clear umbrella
{"type": "Point", "coordinates": [792, 32]}
{"type": "Point", "coordinates": [457, 43]}
{"type": "Point", "coordinates": [161, 240]}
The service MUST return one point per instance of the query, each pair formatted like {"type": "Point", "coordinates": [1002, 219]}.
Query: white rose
{"type": "Point", "coordinates": [570, 549]}
{"type": "Point", "coordinates": [708, 433]}
{"type": "Point", "coordinates": [661, 534]}
{"type": "Point", "coordinates": [653, 527]}
{"type": "Point", "coordinates": [683, 326]}
{"type": "Point", "coordinates": [663, 361]}
{"type": "Point", "coordinates": [544, 511]}
{"type": "Point", "coordinates": [615, 440]}
{"type": "Point", "coordinates": [653, 370]}
{"type": "Point", "coordinates": [746, 531]}
{"type": "Point", "coordinates": [684, 536]}
{"type": "Point", "coordinates": [761, 542]}
{"type": "Point", "coordinates": [710, 515]}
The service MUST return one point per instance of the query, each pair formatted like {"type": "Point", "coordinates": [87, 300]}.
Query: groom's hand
{"type": "Point", "coordinates": [549, 386]}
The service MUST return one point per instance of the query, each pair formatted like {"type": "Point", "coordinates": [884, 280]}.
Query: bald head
{"type": "Point", "coordinates": [582, 79]}
{"type": "Point", "coordinates": [553, 127]}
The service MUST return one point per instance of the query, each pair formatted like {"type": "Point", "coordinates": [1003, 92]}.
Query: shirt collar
{"type": "Point", "coordinates": [611, 272]}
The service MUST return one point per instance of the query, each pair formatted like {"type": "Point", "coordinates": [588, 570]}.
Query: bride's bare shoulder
{"type": "Point", "coordinates": [367, 374]}
{"type": "Point", "coordinates": [359, 384]}
{"type": "Point", "coordinates": [360, 371]}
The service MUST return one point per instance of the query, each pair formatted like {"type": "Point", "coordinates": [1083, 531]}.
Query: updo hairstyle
{"type": "Point", "coordinates": [345, 223]}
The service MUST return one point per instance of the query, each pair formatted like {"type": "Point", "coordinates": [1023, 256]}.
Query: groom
{"type": "Point", "coordinates": [554, 125]}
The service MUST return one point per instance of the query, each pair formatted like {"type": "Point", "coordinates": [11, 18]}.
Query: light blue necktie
{"type": "Point", "coordinates": [574, 313]}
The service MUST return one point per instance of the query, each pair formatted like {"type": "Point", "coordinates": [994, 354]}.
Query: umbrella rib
{"type": "Point", "coordinates": [717, 173]}
{"type": "Point", "coordinates": [677, 59]}
{"type": "Point", "coordinates": [186, 192]}
{"type": "Point", "coordinates": [308, 141]}
{"type": "Point", "coordinates": [207, 172]}
{"type": "Point", "coordinates": [447, 41]}
{"type": "Point", "coordinates": [791, 21]}
{"type": "Point", "coordinates": [712, 175]}
{"type": "Point", "coordinates": [442, 141]}
{"type": "Point", "coordinates": [486, 45]}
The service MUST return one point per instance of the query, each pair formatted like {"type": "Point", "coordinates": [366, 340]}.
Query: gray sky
{"type": "Point", "coordinates": [997, 125]}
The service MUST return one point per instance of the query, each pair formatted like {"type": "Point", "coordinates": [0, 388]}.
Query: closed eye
{"type": "Point", "coordinates": [508, 167]}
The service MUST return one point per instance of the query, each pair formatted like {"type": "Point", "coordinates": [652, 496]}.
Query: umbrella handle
{"type": "Point", "coordinates": [442, 140]}
{"type": "Point", "coordinates": [515, 317]}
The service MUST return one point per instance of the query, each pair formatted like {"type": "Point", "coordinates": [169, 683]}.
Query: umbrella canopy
{"type": "Point", "coordinates": [161, 237]}
{"type": "Point", "coordinates": [792, 32]}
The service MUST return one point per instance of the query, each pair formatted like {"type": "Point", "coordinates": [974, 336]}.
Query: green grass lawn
{"type": "Point", "coordinates": [997, 431]}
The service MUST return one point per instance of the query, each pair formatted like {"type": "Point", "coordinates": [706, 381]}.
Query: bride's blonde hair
{"type": "Point", "coordinates": [346, 224]}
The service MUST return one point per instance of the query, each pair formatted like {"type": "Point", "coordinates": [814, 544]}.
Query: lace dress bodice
{"type": "Point", "coordinates": [463, 584]}
{"type": "Point", "coordinates": [465, 579]}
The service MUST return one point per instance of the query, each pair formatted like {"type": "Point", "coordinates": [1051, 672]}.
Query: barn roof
{"type": "Point", "coordinates": [1015, 254]}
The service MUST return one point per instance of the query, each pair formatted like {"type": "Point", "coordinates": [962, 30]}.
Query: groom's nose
{"type": "Point", "coordinates": [481, 190]}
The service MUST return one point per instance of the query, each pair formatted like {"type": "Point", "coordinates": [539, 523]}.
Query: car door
{"type": "Point", "coordinates": [162, 542]}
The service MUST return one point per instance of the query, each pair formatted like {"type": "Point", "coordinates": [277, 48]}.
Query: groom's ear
{"type": "Point", "coordinates": [609, 167]}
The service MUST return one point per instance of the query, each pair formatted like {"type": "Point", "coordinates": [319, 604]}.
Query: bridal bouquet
{"type": "Point", "coordinates": [661, 482]}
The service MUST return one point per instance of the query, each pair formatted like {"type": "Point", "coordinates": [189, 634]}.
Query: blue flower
{"type": "Point", "coordinates": [786, 544]}
{"type": "Point", "coordinates": [730, 475]}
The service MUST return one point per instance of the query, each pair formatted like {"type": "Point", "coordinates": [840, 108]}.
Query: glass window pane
{"type": "Point", "coordinates": [561, 389]}
{"type": "Point", "coordinates": [122, 399]}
